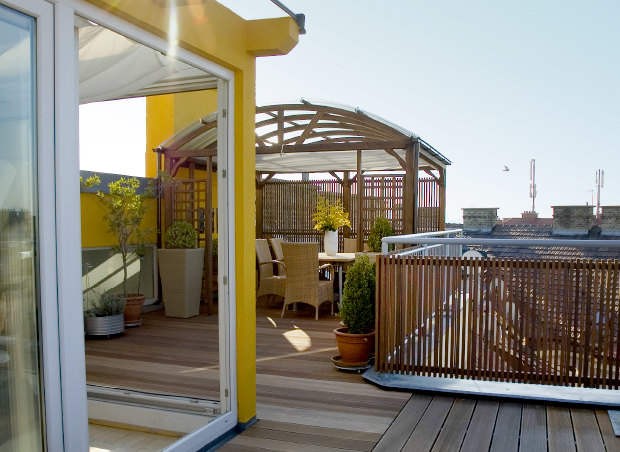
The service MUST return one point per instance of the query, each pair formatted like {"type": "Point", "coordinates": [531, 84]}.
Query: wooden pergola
{"type": "Point", "coordinates": [337, 139]}
{"type": "Point", "coordinates": [307, 137]}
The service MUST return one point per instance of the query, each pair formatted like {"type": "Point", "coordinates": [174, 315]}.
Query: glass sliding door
{"type": "Point", "coordinates": [171, 373]}
{"type": "Point", "coordinates": [21, 411]}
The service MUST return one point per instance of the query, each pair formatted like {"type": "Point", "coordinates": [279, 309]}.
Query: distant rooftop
{"type": "Point", "coordinates": [520, 231]}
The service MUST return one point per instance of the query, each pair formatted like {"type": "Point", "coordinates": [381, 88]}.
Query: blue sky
{"type": "Point", "coordinates": [487, 83]}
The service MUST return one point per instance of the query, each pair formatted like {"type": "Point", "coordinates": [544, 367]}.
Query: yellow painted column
{"type": "Point", "coordinates": [245, 111]}
{"type": "Point", "coordinates": [159, 127]}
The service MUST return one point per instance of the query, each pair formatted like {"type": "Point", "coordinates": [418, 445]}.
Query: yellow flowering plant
{"type": "Point", "coordinates": [329, 216]}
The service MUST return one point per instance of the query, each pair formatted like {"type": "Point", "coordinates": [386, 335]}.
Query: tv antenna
{"type": "Point", "coordinates": [533, 184]}
{"type": "Point", "coordinates": [600, 183]}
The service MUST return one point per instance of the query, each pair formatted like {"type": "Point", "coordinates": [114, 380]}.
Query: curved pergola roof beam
{"type": "Point", "coordinates": [310, 131]}
{"type": "Point", "coordinates": [317, 137]}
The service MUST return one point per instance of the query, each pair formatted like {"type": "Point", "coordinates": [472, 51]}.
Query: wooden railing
{"type": "Point", "coordinates": [528, 321]}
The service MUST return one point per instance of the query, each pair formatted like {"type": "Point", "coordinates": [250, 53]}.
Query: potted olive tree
{"type": "Point", "coordinates": [104, 316]}
{"type": "Point", "coordinates": [180, 270]}
{"type": "Point", "coordinates": [357, 311]}
{"type": "Point", "coordinates": [329, 217]}
{"type": "Point", "coordinates": [124, 211]}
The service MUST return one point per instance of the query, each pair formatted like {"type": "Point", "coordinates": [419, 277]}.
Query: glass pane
{"type": "Point", "coordinates": [20, 395]}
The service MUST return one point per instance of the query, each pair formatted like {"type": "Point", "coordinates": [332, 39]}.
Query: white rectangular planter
{"type": "Point", "coordinates": [181, 280]}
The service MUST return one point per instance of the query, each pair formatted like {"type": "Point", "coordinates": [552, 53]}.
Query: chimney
{"type": "Point", "coordinates": [610, 222]}
{"type": "Point", "coordinates": [572, 220]}
{"type": "Point", "coordinates": [530, 216]}
{"type": "Point", "coordinates": [479, 219]}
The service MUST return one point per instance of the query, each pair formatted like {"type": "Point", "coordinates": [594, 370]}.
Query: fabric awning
{"type": "Point", "coordinates": [115, 67]}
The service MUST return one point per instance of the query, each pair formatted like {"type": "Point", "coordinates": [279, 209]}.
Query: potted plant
{"type": "Point", "coordinates": [357, 311]}
{"type": "Point", "coordinates": [381, 228]}
{"type": "Point", "coordinates": [105, 316]}
{"type": "Point", "coordinates": [124, 211]}
{"type": "Point", "coordinates": [329, 217]}
{"type": "Point", "coordinates": [180, 270]}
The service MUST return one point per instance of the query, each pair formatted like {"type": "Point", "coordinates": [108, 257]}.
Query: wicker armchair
{"type": "Point", "coordinates": [302, 276]}
{"type": "Point", "coordinates": [276, 246]}
{"type": "Point", "coordinates": [350, 245]}
{"type": "Point", "coordinates": [268, 283]}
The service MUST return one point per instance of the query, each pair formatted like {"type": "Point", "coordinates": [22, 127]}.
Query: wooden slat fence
{"type": "Point", "coordinates": [288, 206]}
{"type": "Point", "coordinates": [525, 321]}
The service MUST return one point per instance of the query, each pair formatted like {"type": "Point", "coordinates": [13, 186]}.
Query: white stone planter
{"type": "Point", "coordinates": [181, 280]}
{"type": "Point", "coordinates": [331, 243]}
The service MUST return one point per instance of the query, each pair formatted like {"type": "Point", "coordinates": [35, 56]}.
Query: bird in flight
{"type": "Point", "coordinates": [506, 168]}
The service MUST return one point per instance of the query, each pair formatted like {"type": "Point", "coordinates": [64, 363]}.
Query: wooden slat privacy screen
{"type": "Point", "coordinates": [525, 321]}
{"type": "Point", "coordinates": [288, 206]}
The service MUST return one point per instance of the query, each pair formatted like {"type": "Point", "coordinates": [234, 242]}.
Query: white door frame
{"type": "Point", "coordinates": [43, 13]}
{"type": "Point", "coordinates": [66, 414]}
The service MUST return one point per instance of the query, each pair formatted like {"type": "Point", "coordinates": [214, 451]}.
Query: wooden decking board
{"type": "Point", "coordinates": [336, 407]}
{"type": "Point", "coordinates": [612, 442]}
{"type": "Point", "coordinates": [454, 429]}
{"type": "Point", "coordinates": [425, 433]}
{"type": "Point", "coordinates": [401, 428]}
{"type": "Point", "coordinates": [507, 428]}
{"type": "Point", "coordinates": [337, 385]}
{"type": "Point", "coordinates": [321, 431]}
{"type": "Point", "coordinates": [587, 432]}
{"type": "Point", "coordinates": [352, 421]}
{"type": "Point", "coordinates": [560, 430]}
{"type": "Point", "coordinates": [310, 439]}
{"type": "Point", "coordinates": [286, 393]}
{"type": "Point", "coordinates": [480, 430]}
{"type": "Point", "coordinates": [228, 447]}
{"type": "Point", "coordinates": [103, 438]}
{"type": "Point", "coordinates": [533, 429]}
{"type": "Point", "coordinates": [284, 446]}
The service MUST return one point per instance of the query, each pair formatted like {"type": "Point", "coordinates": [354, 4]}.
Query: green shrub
{"type": "Point", "coordinates": [214, 249]}
{"type": "Point", "coordinates": [181, 235]}
{"type": "Point", "coordinates": [357, 308]}
{"type": "Point", "coordinates": [107, 305]}
{"type": "Point", "coordinates": [382, 228]}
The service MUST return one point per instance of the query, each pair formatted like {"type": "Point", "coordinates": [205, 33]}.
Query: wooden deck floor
{"type": "Point", "coordinates": [144, 358]}
{"type": "Point", "coordinates": [304, 404]}
{"type": "Point", "coordinates": [440, 423]}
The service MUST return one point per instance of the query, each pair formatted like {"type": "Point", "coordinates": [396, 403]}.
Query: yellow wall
{"type": "Point", "coordinates": [95, 230]}
{"type": "Point", "coordinates": [168, 114]}
{"type": "Point", "coordinates": [212, 31]}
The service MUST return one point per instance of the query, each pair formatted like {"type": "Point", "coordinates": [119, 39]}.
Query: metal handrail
{"type": "Point", "coordinates": [424, 239]}
{"type": "Point", "coordinates": [403, 239]}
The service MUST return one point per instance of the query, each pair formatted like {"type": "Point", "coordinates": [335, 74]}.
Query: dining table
{"type": "Point", "coordinates": [339, 261]}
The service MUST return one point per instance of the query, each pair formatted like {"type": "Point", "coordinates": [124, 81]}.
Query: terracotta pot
{"type": "Point", "coordinates": [133, 309]}
{"type": "Point", "coordinates": [354, 348]}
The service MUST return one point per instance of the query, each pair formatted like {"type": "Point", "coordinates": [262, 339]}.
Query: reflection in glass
{"type": "Point", "coordinates": [20, 395]}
